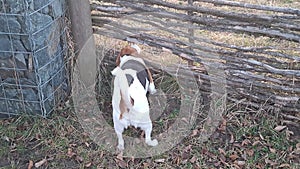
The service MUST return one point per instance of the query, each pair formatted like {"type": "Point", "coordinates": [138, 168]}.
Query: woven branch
{"type": "Point", "coordinates": [264, 76]}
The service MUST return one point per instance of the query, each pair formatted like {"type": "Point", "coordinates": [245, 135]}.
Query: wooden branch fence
{"type": "Point", "coordinates": [265, 77]}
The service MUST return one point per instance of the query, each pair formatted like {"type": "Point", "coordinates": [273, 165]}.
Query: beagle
{"type": "Point", "coordinates": [132, 81]}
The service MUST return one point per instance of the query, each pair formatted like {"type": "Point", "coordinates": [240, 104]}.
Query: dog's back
{"type": "Point", "coordinates": [142, 74]}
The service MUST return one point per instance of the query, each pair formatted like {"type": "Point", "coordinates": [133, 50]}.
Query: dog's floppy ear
{"type": "Point", "coordinates": [118, 60]}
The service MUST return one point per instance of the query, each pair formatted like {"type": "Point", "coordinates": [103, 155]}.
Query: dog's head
{"type": "Point", "coordinates": [128, 50]}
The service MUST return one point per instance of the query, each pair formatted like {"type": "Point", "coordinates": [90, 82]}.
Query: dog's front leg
{"type": "Point", "coordinates": [152, 89]}
{"type": "Point", "coordinates": [148, 129]}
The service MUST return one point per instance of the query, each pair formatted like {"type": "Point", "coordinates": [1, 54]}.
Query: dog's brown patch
{"type": "Point", "coordinates": [125, 51]}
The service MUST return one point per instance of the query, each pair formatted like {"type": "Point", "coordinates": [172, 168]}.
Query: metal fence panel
{"type": "Point", "coordinates": [33, 56]}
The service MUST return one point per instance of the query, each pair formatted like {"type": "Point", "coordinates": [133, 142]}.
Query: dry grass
{"type": "Point", "coordinates": [245, 138]}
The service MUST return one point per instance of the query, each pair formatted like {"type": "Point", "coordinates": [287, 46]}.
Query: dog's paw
{"type": "Point", "coordinates": [120, 147]}
{"type": "Point", "coordinates": [153, 91]}
{"type": "Point", "coordinates": [152, 143]}
{"type": "Point", "coordinates": [152, 88]}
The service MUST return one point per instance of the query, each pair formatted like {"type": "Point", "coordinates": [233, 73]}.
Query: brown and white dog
{"type": "Point", "coordinates": [130, 104]}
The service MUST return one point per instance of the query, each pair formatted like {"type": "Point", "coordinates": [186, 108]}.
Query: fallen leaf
{"type": "Point", "coordinates": [146, 165]}
{"type": "Point", "coordinates": [222, 157]}
{"type": "Point", "coordinates": [194, 133]}
{"type": "Point", "coordinates": [257, 138]}
{"type": "Point", "coordinates": [185, 155]}
{"type": "Point", "coordinates": [87, 120]}
{"type": "Point", "coordinates": [267, 161]}
{"type": "Point", "coordinates": [262, 137]}
{"type": "Point", "coordinates": [297, 151]}
{"type": "Point", "coordinates": [184, 161]}
{"type": "Point", "coordinates": [256, 143]}
{"type": "Point", "coordinates": [122, 164]}
{"type": "Point", "coordinates": [101, 154]}
{"type": "Point", "coordinates": [279, 128]}
{"type": "Point", "coordinates": [291, 148]}
{"type": "Point", "coordinates": [221, 151]}
{"type": "Point", "coordinates": [259, 166]}
{"type": "Point", "coordinates": [38, 136]}
{"type": "Point", "coordinates": [50, 158]}
{"type": "Point", "coordinates": [193, 159]}
{"type": "Point", "coordinates": [246, 142]}
{"type": "Point", "coordinates": [177, 160]}
{"type": "Point", "coordinates": [85, 134]}
{"type": "Point", "coordinates": [207, 153]}
{"type": "Point", "coordinates": [70, 130]}
{"type": "Point", "coordinates": [222, 127]}
{"type": "Point", "coordinates": [235, 166]}
{"type": "Point", "coordinates": [233, 157]}
{"type": "Point", "coordinates": [188, 148]}
{"type": "Point", "coordinates": [88, 164]}
{"type": "Point", "coordinates": [284, 166]}
{"type": "Point", "coordinates": [6, 138]}
{"type": "Point", "coordinates": [120, 156]}
{"type": "Point", "coordinates": [79, 159]}
{"type": "Point", "coordinates": [240, 163]}
{"type": "Point", "coordinates": [231, 139]}
{"type": "Point", "coordinates": [288, 133]}
{"type": "Point", "coordinates": [244, 155]}
{"type": "Point", "coordinates": [30, 165]}
{"type": "Point", "coordinates": [250, 152]}
{"type": "Point", "coordinates": [272, 150]}
{"type": "Point", "coordinates": [237, 145]}
{"type": "Point", "coordinates": [120, 161]}
{"type": "Point", "coordinates": [98, 128]}
{"type": "Point", "coordinates": [161, 160]}
{"type": "Point", "coordinates": [223, 162]}
{"type": "Point", "coordinates": [216, 164]}
{"type": "Point", "coordinates": [185, 120]}
{"type": "Point", "coordinates": [40, 163]}
{"type": "Point", "coordinates": [70, 153]}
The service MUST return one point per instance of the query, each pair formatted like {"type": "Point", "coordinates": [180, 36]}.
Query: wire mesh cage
{"type": "Point", "coordinates": [33, 56]}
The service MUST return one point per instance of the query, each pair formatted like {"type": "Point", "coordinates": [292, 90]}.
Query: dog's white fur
{"type": "Point", "coordinates": [138, 113]}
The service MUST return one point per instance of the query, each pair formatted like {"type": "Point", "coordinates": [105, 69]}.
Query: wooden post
{"type": "Point", "coordinates": [191, 32]}
{"type": "Point", "coordinates": [81, 23]}
{"type": "Point", "coordinates": [80, 15]}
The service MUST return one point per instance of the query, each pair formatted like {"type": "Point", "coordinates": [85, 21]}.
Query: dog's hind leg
{"type": "Point", "coordinates": [120, 139]}
{"type": "Point", "coordinates": [119, 128]}
{"type": "Point", "coordinates": [148, 129]}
